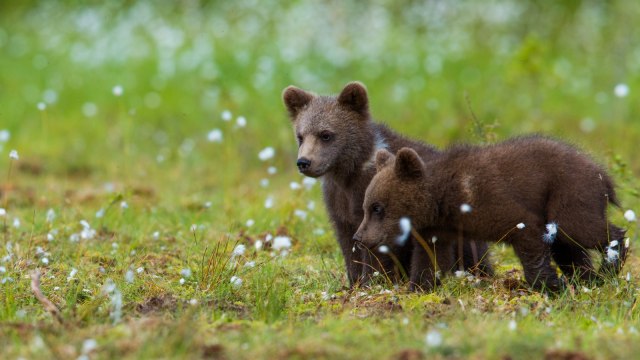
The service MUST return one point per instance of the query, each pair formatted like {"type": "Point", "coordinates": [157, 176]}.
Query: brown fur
{"type": "Point", "coordinates": [337, 141]}
{"type": "Point", "coordinates": [532, 180]}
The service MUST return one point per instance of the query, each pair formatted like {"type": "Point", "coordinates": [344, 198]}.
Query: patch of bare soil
{"type": "Point", "coordinates": [157, 304]}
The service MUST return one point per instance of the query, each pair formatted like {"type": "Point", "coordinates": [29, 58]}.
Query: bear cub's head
{"type": "Point", "coordinates": [398, 190]}
{"type": "Point", "coordinates": [329, 129]}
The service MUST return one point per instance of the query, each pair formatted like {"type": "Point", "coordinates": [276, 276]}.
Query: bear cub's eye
{"type": "Point", "coordinates": [326, 136]}
{"type": "Point", "coordinates": [377, 209]}
{"type": "Point", "coordinates": [299, 139]}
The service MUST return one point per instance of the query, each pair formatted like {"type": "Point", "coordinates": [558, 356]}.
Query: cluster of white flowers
{"type": "Point", "coordinates": [87, 232]}
{"type": "Point", "coordinates": [612, 251]}
{"type": "Point", "coordinates": [115, 297]}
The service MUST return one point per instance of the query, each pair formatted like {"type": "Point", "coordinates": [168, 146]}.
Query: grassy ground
{"type": "Point", "coordinates": [132, 213]}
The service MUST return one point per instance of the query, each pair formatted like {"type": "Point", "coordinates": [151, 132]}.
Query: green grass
{"type": "Point", "coordinates": [471, 72]}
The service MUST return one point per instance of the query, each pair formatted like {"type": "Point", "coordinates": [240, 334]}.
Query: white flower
{"type": "Point", "coordinates": [14, 155]}
{"type": "Point", "coordinates": [215, 135]}
{"type": "Point", "coordinates": [16, 223]}
{"type": "Point", "coordinates": [72, 274]}
{"type": "Point", "coordinates": [311, 205]}
{"type": "Point", "coordinates": [51, 215]}
{"type": "Point", "coordinates": [50, 236]}
{"type": "Point", "coordinates": [235, 281]}
{"type": "Point", "coordinates": [181, 281]}
{"type": "Point", "coordinates": [193, 302]}
{"type": "Point", "coordinates": [272, 170]}
{"type": "Point", "coordinates": [268, 203]}
{"type": "Point", "coordinates": [124, 205]}
{"type": "Point", "coordinates": [383, 249]}
{"type": "Point", "coordinates": [434, 239]}
{"type": "Point", "coordinates": [250, 223]}
{"type": "Point", "coordinates": [250, 264]}
{"type": "Point", "coordinates": [140, 270]}
{"type": "Point", "coordinates": [87, 233]}
{"type": "Point", "coordinates": [207, 204]}
{"type": "Point", "coordinates": [45, 260]}
{"type": "Point", "coordinates": [3, 269]}
{"type": "Point", "coordinates": [241, 121]}
{"type": "Point", "coordinates": [433, 338]}
{"type": "Point", "coordinates": [621, 90]}
{"type": "Point", "coordinates": [550, 235]}
{"type": "Point", "coordinates": [308, 182]}
{"type": "Point", "coordinates": [89, 345]}
{"type": "Point", "coordinates": [100, 213]}
{"type": "Point", "coordinates": [281, 243]}
{"type": "Point", "coordinates": [612, 254]}
{"type": "Point", "coordinates": [193, 228]}
{"type": "Point", "coordinates": [156, 235]}
{"type": "Point", "coordinates": [300, 213]}
{"type": "Point", "coordinates": [42, 106]}
{"type": "Point", "coordinates": [186, 272]}
{"type": "Point", "coordinates": [465, 208]}
{"type": "Point", "coordinates": [238, 250]}
{"type": "Point", "coordinates": [129, 276]}
{"type": "Point", "coordinates": [626, 243]}
{"type": "Point", "coordinates": [117, 90]}
{"type": "Point", "coordinates": [5, 135]}
{"type": "Point", "coordinates": [266, 153]}
{"type": "Point", "coordinates": [264, 182]}
{"type": "Point", "coordinates": [226, 115]}
{"type": "Point", "coordinates": [520, 226]}
{"type": "Point", "coordinates": [630, 215]}
{"type": "Point", "coordinates": [258, 244]}
{"type": "Point", "coordinates": [89, 109]}
{"type": "Point", "coordinates": [405, 230]}
{"type": "Point", "coordinates": [294, 185]}
{"type": "Point", "coordinates": [3, 212]}
{"type": "Point", "coordinates": [513, 325]}
{"type": "Point", "coordinates": [460, 274]}
{"type": "Point", "coordinates": [628, 277]}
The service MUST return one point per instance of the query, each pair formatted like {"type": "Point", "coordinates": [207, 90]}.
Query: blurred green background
{"type": "Point", "coordinates": [525, 65]}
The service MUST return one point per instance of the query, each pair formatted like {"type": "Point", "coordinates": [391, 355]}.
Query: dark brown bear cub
{"type": "Point", "coordinates": [337, 141]}
{"type": "Point", "coordinates": [544, 197]}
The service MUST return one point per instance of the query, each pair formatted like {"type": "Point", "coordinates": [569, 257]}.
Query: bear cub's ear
{"type": "Point", "coordinates": [354, 97]}
{"type": "Point", "coordinates": [383, 157]}
{"type": "Point", "coordinates": [295, 99]}
{"type": "Point", "coordinates": [408, 164]}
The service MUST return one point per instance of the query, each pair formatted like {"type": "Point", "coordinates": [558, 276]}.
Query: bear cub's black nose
{"type": "Point", "coordinates": [303, 164]}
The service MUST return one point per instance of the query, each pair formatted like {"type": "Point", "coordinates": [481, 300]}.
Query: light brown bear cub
{"type": "Point", "coordinates": [544, 197]}
{"type": "Point", "coordinates": [337, 141]}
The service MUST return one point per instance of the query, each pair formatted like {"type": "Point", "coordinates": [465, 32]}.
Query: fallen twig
{"type": "Point", "coordinates": [46, 303]}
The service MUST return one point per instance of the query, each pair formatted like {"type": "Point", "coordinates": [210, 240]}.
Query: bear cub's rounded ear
{"type": "Point", "coordinates": [354, 97]}
{"type": "Point", "coordinates": [408, 164]}
{"type": "Point", "coordinates": [295, 99]}
{"type": "Point", "coordinates": [383, 157]}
